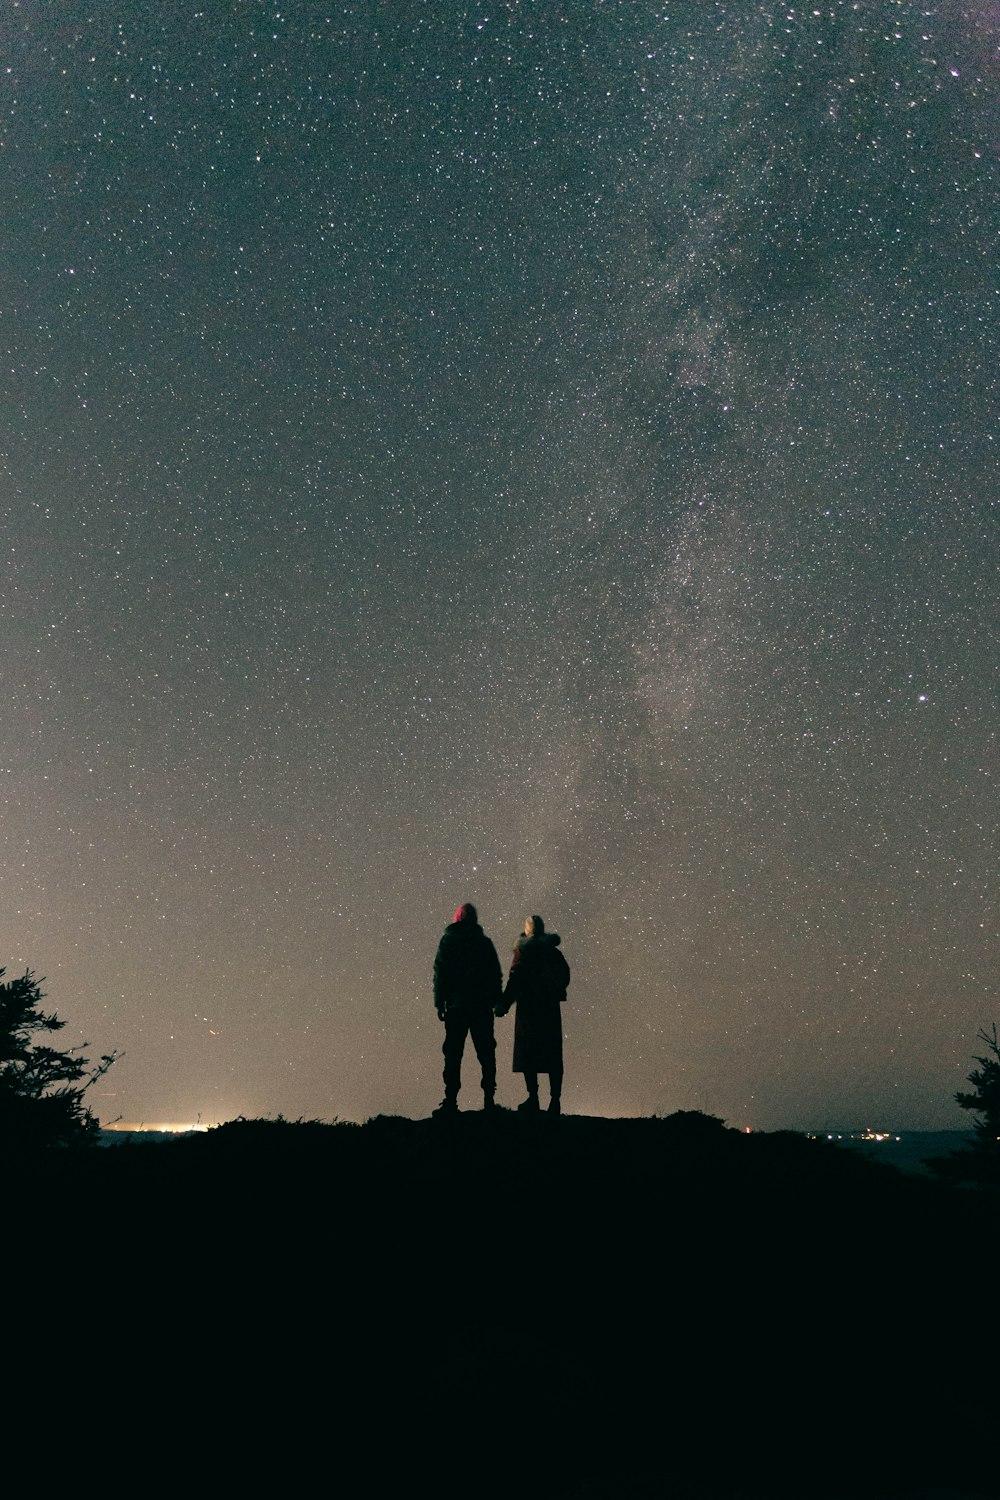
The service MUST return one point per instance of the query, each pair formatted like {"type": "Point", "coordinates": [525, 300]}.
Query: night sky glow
{"type": "Point", "coordinates": [541, 455]}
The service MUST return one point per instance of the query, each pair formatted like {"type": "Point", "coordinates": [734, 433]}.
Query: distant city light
{"type": "Point", "coordinates": [859, 1135]}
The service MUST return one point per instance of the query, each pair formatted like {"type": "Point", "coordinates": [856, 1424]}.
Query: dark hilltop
{"type": "Point", "coordinates": [655, 1302]}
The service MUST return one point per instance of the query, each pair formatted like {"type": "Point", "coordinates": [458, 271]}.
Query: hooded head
{"type": "Point", "coordinates": [466, 913]}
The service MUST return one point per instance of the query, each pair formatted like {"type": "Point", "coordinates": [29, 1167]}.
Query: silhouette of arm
{"type": "Point", "coordinates": [440, 997]}
{"type": "Point", "coordinates": [514, 978]}
{"type": "Point", "coordinates": [495, 978]}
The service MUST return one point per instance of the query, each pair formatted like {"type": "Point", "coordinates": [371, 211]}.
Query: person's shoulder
{"type": "Point", "coordinates": [470, 933]}
{"type": "Point", "coordinates": [556, 956]}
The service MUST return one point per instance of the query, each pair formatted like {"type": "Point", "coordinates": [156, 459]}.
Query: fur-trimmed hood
{"type": "Point", "coordinates": [524, 941]}
{"type": "Point", "coordinates": [539, 973]}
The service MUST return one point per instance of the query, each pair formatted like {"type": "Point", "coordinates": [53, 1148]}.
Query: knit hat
{"type": "Point", "coordinates": [466, 913]}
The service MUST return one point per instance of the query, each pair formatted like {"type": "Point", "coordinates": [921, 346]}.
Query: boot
{"type": "Point", "coordinates": [448, 1106]}
{"type": "Point", "coordinates": [530, 1105]}
{"type": "Point", "coordinates": [555, 1108]}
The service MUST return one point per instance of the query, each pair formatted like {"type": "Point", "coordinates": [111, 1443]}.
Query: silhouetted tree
{"type": "Point", "coordinates": [41, 1088]}
{"type": "Point", "coordinates": [986, 1100]}
{"type": "Point", "coordinates": [982, 1162]}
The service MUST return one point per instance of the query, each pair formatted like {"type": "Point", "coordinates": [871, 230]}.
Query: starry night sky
{"type": "Point", "coordinates": [540, 455]}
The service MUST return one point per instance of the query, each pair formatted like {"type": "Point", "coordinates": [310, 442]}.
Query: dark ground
{"type": "Point", "coordinates": [499, 1305]}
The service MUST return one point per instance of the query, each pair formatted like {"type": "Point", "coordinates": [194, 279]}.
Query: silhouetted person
{"type": "Point", "coordinates": [468, 983]}
{"type": "Point", "coordinates": [536, 985]}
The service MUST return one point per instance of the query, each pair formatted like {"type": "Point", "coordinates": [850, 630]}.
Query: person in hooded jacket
{"type": "Point", "coordinates": [536, 985]}
{"type": "Point", "coordinates": [468, 983]}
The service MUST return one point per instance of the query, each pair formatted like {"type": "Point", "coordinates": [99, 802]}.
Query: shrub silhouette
{"type": "Point", "coordinates": [41, 1088]}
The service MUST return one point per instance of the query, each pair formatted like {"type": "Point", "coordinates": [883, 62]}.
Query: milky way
{"type": "Point", "coordinates": [542, 455]}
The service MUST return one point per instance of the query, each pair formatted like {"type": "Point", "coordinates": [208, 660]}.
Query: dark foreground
{"type": "Point", "coordinates": [490, 1306]}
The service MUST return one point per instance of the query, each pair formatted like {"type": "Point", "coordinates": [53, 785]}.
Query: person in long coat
{"type": "Point", "coordinates": [536, 985]}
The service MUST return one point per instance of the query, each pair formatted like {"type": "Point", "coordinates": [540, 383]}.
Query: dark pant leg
{"type": "Point", "coordinates": [555, 1082]}
{"type": "Point", "coordinates": [481, 1027]}
{"type": "Point", "coordinates": [456, 1029]}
